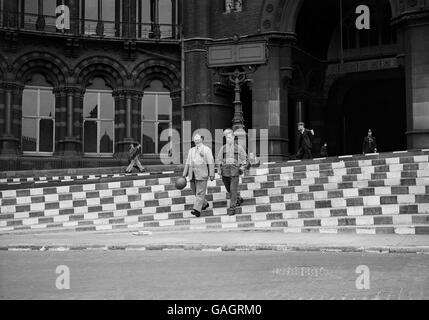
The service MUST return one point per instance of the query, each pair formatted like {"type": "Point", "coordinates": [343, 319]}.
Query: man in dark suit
{"type": "Point", "coordinates": [369, 143]}
{"type": "Point", "coordinates": [304, 142]}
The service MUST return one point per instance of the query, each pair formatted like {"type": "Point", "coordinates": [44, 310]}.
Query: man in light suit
{"type": "Point", "coordinates": [198, 168]}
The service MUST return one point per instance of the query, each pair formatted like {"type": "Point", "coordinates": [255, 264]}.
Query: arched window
{"type": "Point", "coordinates": [38, 116]}
{"type": "Point", "coordinates": [98, 119]}
{"type": "Point", "coordinates": [156, 116]}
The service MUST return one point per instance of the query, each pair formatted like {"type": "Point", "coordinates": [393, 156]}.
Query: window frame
{"type": "Point", "coordinates": [156, 122]}
{"type": "Point", "coordinates": [38, 117]}
{"type": "Point", "coordinates": [98, 121]}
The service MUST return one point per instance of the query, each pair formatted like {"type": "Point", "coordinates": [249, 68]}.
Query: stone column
{"type": "Point", "coordinates": [10, 137]}
{"type": "Point", "coordinates": [40, 23]}
{"type": "Point", "coordinates": [126, 122]}
{"type": "Point", "coordinates": [136, 115]}
{"type": "Point", "coordinates": [413, 40]}
{"type": "Point", "coordinates": [270, 100]}
{"type": "Point", "coordinates": [74, 6]}
{"type": "Point", "coordinates": [68, 121]}
{"type": "Point", "coordinates": [173, 19]}
{"type": "Point", "coordinates": [100, 25]}
{"type": "Point", "coordinates": [176, 98]}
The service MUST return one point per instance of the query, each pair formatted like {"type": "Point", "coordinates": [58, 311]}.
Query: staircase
{"type": "Point", "coordinates": [385, 193]}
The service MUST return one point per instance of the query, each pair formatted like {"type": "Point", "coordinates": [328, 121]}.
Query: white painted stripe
{"type": "Point", "coordinates": [328, 230]}
{"type": "Point", "coordinates": [405, 230]}
{"type": "Point", "coordinates": [365, 231]}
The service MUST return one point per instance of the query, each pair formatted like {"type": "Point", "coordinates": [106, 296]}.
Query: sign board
{"type": "Point", "coordinates": [225, 55]}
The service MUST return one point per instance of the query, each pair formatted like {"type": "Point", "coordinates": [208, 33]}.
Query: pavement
{"type": "Point", "coordinates": [216, 241]}
{"type": "Point", "coordinates": [190, 275]}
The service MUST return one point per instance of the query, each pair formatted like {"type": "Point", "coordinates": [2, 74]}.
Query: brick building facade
{"type": "Point", "coordinates": [127, 69]}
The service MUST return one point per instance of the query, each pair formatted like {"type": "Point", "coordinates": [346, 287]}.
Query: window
{"type": "Point", "coordinates": [156, 117]}
{"type": "Point", "coordinates": [31, 9]}
{"type": "Point", "coordinates": [233, 6]}
{"type": "Point", "coordinates": [381, 32]}
{"type": "Point", "coordinates": [144, 19]}
{"type": "Point", "coordinates": [38, 119]}
{"type": "Point", "coordinates": [98, 123]}
{"type": "Point", "coordinates": [101, 17]}
{"type": "Point", "coordinates": [155, 18]}
{"type": "Point", "coordinates": [165, 18]}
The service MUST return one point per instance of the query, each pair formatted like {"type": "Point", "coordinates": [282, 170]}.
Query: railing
{"type": "Point", "coordinates": [88, 27]}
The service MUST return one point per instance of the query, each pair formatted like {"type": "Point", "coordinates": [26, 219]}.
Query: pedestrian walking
{"type": "Point", "coordinates": [369, 143]}
{"type": "Point", "coordinates": [199, 168]}
{"type": "Point", "coordinates": [304, 142]}
{"type": "Point", "coordinates": [133, 158]}
{"type": "Point", "coordinates": [231, 161]}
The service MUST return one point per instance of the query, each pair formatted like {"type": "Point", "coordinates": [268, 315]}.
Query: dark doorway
{"type": "Point", "coordinates": [377, 104]}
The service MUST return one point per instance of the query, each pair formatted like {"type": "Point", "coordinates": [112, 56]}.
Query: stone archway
{"type": "Point", "coordinates": [110, 69]}
{"type": "Point", "coordinates": [55, 69]}
{"type": "Point", "coordinates": [288, 11]}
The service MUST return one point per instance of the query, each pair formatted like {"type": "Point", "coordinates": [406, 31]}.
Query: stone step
{"type": "Point", "coordinates": [134, 197]}
{"type": "Point", "coordinates": [293, 172]}
{"type": "Point", "coordinates": [185, 217]}
{"type": "Point", "coordinates": [243, 221]}
{"type": "Point", "coordinates": [360, 192]}
{"type": "Point", "coordinates": [347, 167]}
{"type": "Point", "coordinates": [271, 181]}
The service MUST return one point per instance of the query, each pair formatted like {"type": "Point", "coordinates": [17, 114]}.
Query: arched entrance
{"type": "Point", "coordinates": [369, 87]}
{"type": "Point", "coordinates": [362, 101]}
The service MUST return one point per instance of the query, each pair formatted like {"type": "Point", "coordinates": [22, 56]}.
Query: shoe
{"type": "Point", "coordinates": [231, 211]}
{"type": "Point", "coordinates": [206, 206]}
{"type": "Point", "coordinates": [196, 213]}
{"type": "Point", "coordinates": [142, 170]}
{"type": "Point", "coordinates": [240, 202]}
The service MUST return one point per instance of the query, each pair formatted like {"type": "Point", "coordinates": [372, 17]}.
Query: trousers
{"type": "Point", "coordinates": [134, 162]}
{"type": "Point", "coordinates": [231, 185]}
{"type": "Point", "coordinates": [304, 153]}
{"type": "Point", "coordinates": [199, 189]}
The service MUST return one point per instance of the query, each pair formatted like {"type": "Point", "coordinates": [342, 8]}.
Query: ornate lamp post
{"type": "Point", "coordinates": [231, 60]}
{"type": "Point", "coordinates": [237, 78]}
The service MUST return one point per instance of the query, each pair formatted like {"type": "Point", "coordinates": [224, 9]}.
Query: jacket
{"type": "Point", "coordinates": [232, 162]}
{"type": "Point", "coordinates": [368, 145]}
{"type": "Point", "coordinates": [200, 162]}
{"type": "Point", "coordinates": [304, 140]}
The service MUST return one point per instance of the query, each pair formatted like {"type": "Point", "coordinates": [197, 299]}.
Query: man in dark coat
{"type": "Point", "coordinates": [369, 143]}
{"type": "Point", "coordinates": [304, 142]}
